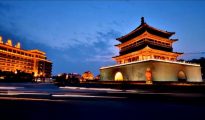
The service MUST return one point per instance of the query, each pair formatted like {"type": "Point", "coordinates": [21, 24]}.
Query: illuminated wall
{"type": "Point", "coordinates": [161, 71]}
{"type": "Point", "coordinates": [13, 58]}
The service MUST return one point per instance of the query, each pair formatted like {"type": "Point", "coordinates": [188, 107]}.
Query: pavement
{"type": "Point", "coordinates": [49, 91]}
{"type": "Point", "coordinates": [31, 101]}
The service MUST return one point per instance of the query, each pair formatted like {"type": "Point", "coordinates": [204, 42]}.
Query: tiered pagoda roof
{"type": "Point", "coordinates": [157, 42]}
{"type": "Point", "coordinates": [141, 29]}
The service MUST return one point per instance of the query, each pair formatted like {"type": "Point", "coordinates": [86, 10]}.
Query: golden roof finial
{"type": "Point", "coordinates": [18, 45]}
{"type": "Point", "coordinates": [9, 42]}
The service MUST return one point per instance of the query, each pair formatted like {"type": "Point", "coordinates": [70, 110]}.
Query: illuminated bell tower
{"type": "Point", "coordinates": [144, 43]}
{"type": "Point", "coordinates": [146, 54]}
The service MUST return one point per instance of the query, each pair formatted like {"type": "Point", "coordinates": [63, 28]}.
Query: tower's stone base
{"type": "Point", "coordinates": [160, 71]}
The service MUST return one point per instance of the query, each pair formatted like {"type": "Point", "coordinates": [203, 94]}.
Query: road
{"type": "Point", "coordinates": [30, 101]}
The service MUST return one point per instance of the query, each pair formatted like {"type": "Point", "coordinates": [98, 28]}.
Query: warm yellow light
{"type": "Point", "coordinates": [87, 75]}
{"type": "Point", "coordinates": [18, 45]}
{"type": "Point", "coordinates": [14, 58]}
{"type": "Point", "coordinates": [9, 42]}
{"type": "Point", "coordinates": [1, 41]}
{"type": "Point", "coordinates": [35, 74]}
{"type": "Point", "coordinates": [118, 76]}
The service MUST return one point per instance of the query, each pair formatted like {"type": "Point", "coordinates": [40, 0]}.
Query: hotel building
{"type": "Point", "coordinates": [13, 58]}
{"type": "Point", "coordinates": [146, 54]}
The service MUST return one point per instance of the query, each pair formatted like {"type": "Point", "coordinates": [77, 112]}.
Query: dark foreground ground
{"type": "Point", "coordinates": [99, 110]}
{"type": "Point", "coordinates": [47, 102]}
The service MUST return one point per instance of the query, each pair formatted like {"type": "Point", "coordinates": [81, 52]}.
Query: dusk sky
{"type": "Point", "coordinates": [80, 35]}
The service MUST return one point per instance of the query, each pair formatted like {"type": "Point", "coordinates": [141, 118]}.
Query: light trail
{"type": "Point", "coordinates": [95, 89]}
{"type": "Point", "coordinates": [23, 93]}
{"type": "Point", "coordinates": [10, 88]}
{"type": "Point", "coordinates": [87, 96]}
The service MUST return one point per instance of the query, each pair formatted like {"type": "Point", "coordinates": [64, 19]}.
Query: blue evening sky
{"type": "Point", "coordinates": [80, 35]}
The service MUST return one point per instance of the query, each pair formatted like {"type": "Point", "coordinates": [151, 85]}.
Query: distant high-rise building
{"type": "Point", "coordinates": [13, 58]}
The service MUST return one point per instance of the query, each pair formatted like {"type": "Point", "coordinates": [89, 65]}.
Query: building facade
{"type": "Point", "coordinates": [146, 42]}
{"type": "Point", "coordinates": [13, 58]}
{"type": "Point", "coordinates": [146, 54]}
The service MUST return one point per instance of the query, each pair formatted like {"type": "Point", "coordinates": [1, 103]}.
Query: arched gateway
{"type": "Point", "coordinates": [118, 76]}
{"type": "Point", "coordinates": [181, 76]}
